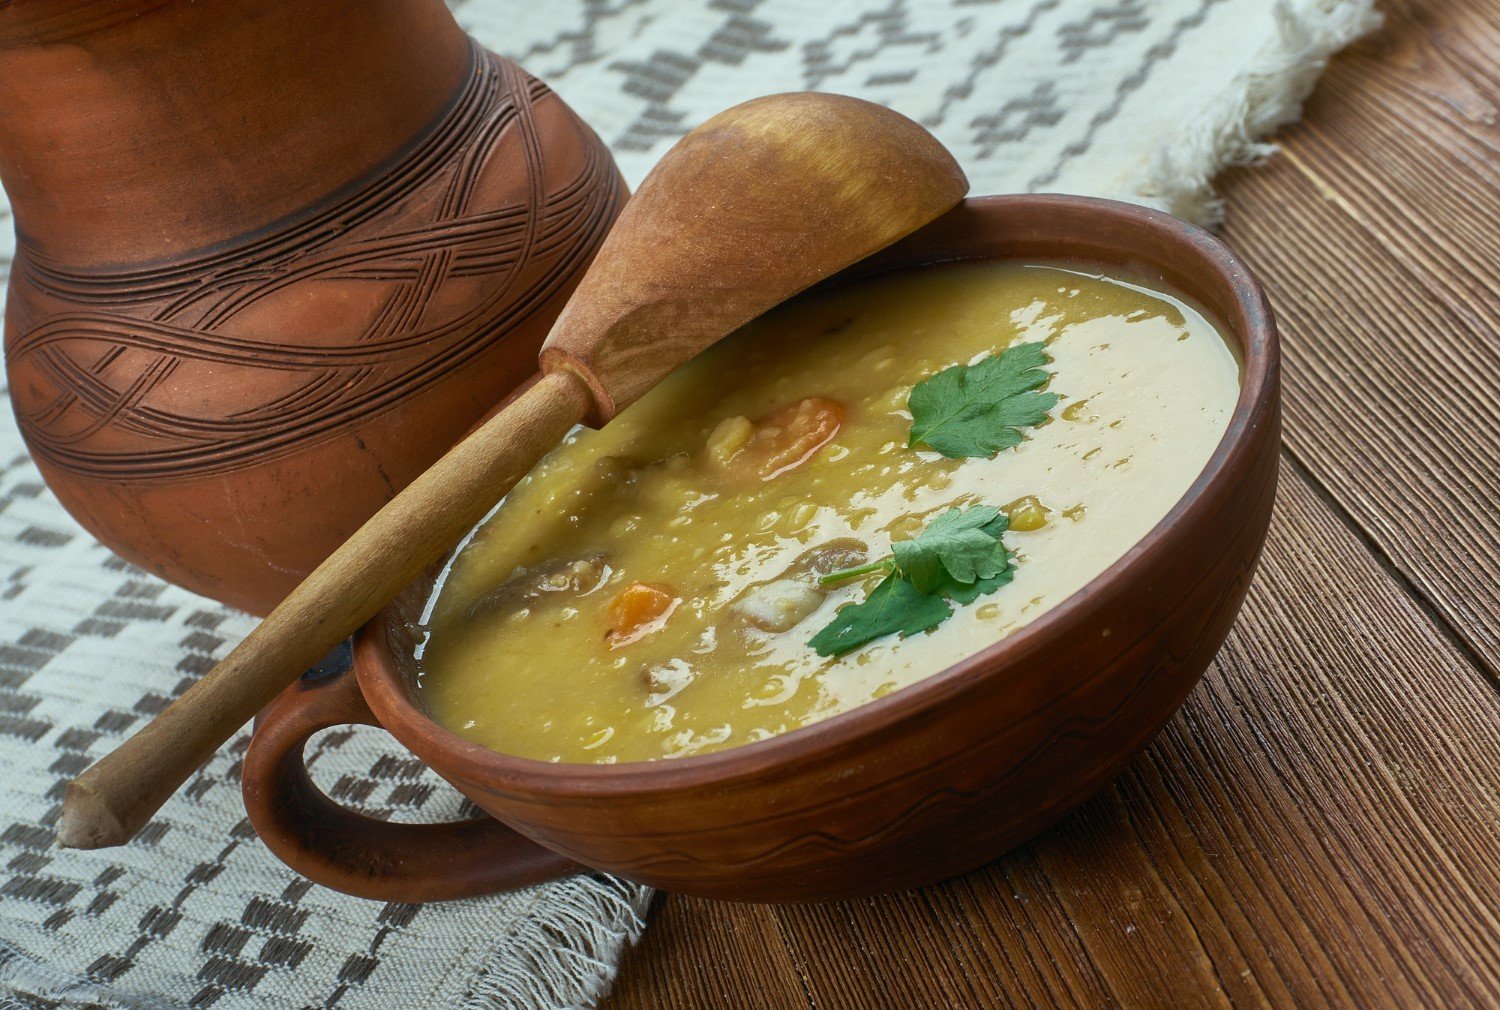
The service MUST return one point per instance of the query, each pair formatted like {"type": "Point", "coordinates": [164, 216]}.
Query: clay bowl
{"type": "Point", "coordinates": [924, 784]}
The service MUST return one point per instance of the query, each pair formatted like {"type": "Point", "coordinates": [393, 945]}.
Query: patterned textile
{"type": "Point", "coordinates": [1141, 99]}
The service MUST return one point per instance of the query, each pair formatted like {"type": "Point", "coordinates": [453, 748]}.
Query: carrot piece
{"type": "Point", "coordinates": [638, 610]}
{"type": "Point", "coordinates": [787, 438]}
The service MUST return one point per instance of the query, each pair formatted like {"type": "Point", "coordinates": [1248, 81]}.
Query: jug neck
{"type": "Point", "coordinates": [135, 130]}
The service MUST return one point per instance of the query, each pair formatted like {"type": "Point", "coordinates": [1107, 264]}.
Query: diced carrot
{"type": "Point", "coordinates": [782, 440]}
{"type": "Point", "coordinates": [788, 437]}
{"type": "Point", "coordinates": [637, 610]}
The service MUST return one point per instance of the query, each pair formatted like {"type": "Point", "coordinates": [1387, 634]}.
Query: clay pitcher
{"type": "Point", "coordinates": [272, 259]}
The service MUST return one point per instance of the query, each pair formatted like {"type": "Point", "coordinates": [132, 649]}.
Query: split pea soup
{"type": "Point", "coordinates": [850, 494]}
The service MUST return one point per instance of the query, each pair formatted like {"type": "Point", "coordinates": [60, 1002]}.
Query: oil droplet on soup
{"type": "Point", "coordinates": [649, 590]}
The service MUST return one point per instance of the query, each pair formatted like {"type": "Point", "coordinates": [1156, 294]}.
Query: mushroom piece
{"type": "Point", "coordinates": [844, 552]}
{"type": "Point", "coordinates": [777, 606]}
{"type": "Point", "coordinates": [527, 584]}
{"type": "Point", "coordinates": [789, 599]}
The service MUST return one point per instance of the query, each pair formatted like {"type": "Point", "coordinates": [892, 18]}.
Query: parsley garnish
{"type": "Point", "coordinates": [966, 410]}
{"type": "Point", "coordinates": [958, 556]}
{"type": "Point", "coordinates": [979, 409]}
{"type": "Point", "coordinates": [961, 544]}
{"type": "Point", "coordinates": [894, 606]}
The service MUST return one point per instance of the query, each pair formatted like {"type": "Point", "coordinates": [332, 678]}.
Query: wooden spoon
{"type": "Point", "coordinates": [750, 208]}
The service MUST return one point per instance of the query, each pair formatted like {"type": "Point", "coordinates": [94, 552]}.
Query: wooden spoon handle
{"type": "Point", "coordinates": [110, 801]}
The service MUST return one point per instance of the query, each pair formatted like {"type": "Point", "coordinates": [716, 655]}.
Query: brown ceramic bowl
{"type": "Point", "coordinates": [924, 784]}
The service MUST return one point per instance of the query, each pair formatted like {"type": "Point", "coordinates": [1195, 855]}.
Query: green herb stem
{"type": "Point", "coordinates": [885, 566]}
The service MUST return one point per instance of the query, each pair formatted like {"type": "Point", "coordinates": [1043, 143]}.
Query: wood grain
{"type": "Point", "coordinates": [1377, 234]}
{"type": "Point", "coordinates": [1319, 826]}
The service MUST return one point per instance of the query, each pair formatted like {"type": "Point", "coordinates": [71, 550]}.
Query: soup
{"type": "Point", "coordinates": [850, 494]}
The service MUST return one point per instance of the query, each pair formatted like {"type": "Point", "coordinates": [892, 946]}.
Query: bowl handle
{"type": "Point", "coordinates": [347, 851]}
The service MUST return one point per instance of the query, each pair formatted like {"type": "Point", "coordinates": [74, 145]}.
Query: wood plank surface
{"type": "Point", "coordinates": [1377, 233]}
{"type": "Point", "coordinates": [1320, 824]}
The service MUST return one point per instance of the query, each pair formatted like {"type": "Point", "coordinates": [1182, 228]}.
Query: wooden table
{"type": "Point", "coordinates": [1320, 824]}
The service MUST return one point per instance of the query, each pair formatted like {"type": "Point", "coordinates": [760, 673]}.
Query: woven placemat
{"type": "Point", "coordinates": [1136, 99]}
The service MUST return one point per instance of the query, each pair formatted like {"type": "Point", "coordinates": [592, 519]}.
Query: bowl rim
{"type": "Point", "coordinates": [455, 757]}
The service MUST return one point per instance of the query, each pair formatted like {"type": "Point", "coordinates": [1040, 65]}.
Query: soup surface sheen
{"type": "Point", "coordinates": [536, 647]}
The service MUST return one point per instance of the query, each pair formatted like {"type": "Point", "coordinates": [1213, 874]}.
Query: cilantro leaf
{"type": "Point", "coordinates": [963, 544]}
{"type": "Point", "coordinates": [894, 606]}
{"type": "Point", "coordinates": [979, 409]}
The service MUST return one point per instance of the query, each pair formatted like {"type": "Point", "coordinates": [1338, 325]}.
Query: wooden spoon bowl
{"type": "Point", "coordinates": [926, 783]}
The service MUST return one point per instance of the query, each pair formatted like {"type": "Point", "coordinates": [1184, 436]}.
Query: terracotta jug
{"type": "Point", "coordinates": [272, 259]}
